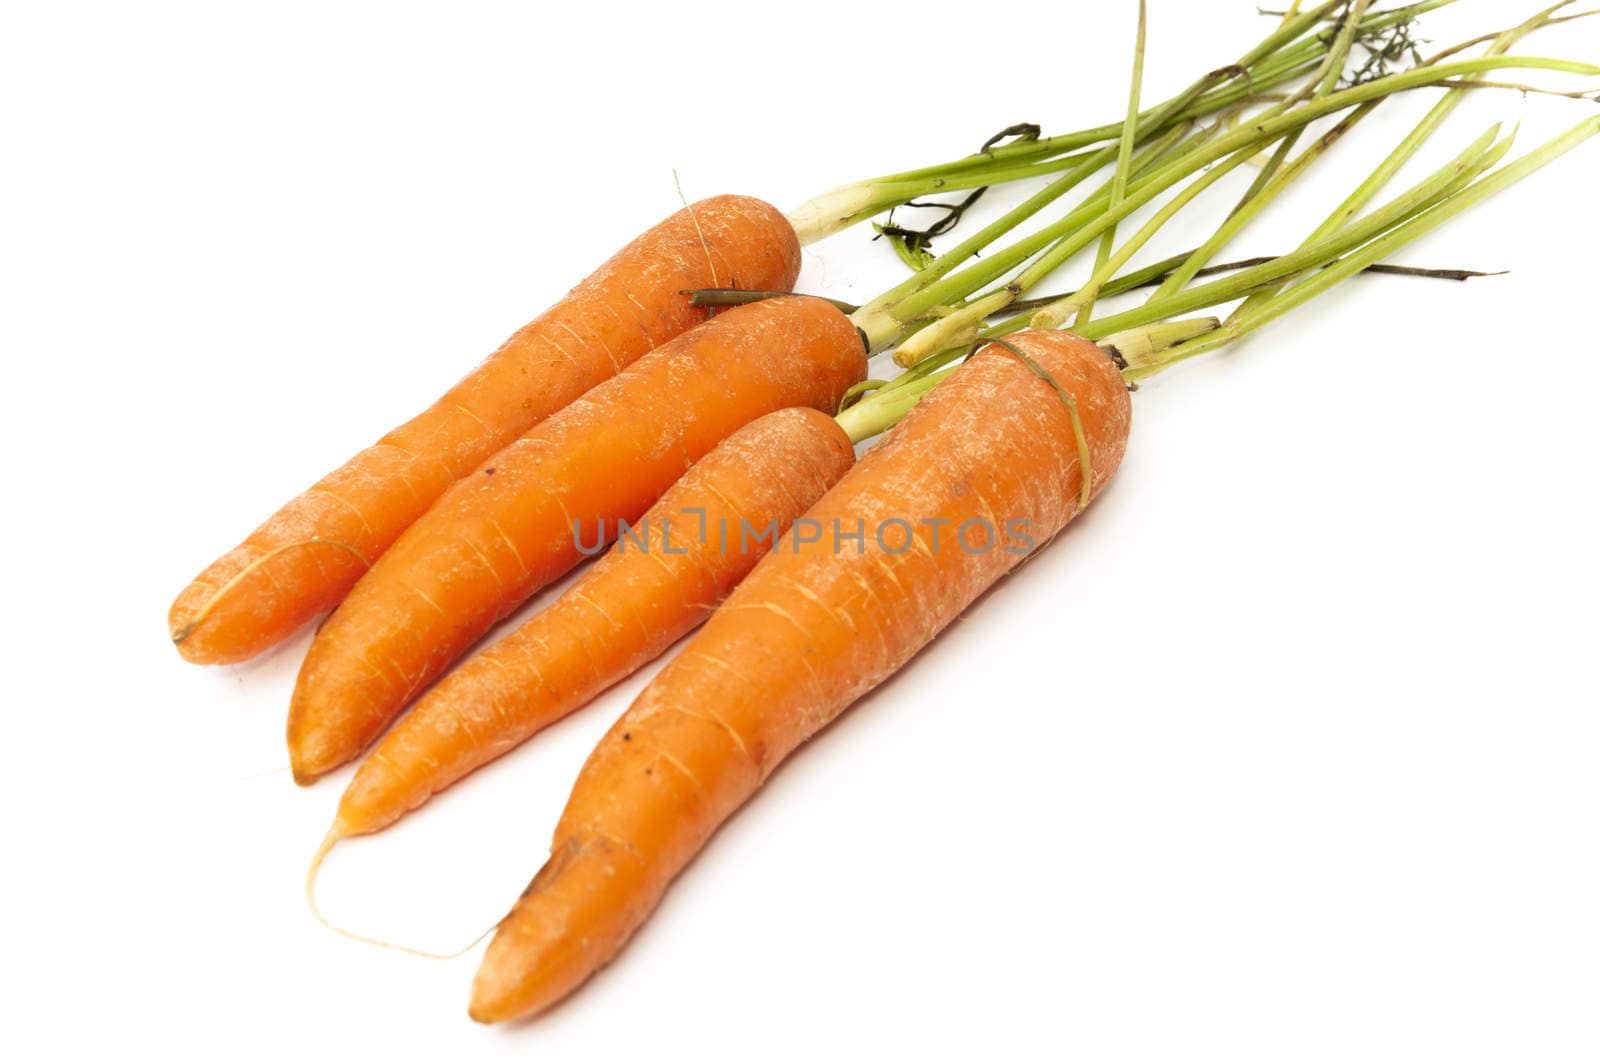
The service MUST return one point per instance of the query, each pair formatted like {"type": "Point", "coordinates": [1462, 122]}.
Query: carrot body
{"type": "Point", "coordinates": [307, 555]}
{"type": "Point", "coordinates": [806, 634]}
{"type": "Point", "coordinates": [511, 528]}
{"type": "Point", "coordinates": [699, 541]}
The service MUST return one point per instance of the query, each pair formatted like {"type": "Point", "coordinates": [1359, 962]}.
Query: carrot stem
{"type": "Point", "coordinates": [893, 400]}
{"type": "Point", "coordinates": [882, 326]}
{"type": "Point", "coordinates": [1119, 180]}
{"type": "Point", "coordinates": [884, 409]}
{"type": "Point", "coordinates": [1326, 81]}
{"type": "Point", "coordinates": [964, 323]}
{"type": "Point", "coordinates": [1409, 146]}
{"type": "Point", "coordinates": [1358, 260]}
{"type": "Point", "coordinates": [1144, 343]}
{"type": "Point", "coordinates": [1271, 182]}
{"type": "Point", "coordinates": [1481, 153]}
{"type": "Point", "coordinates": [1143, 277]}
{"type": "Point", "coordinates": [1083, 300]}
{"type": "Point", "coordinates": [720, 297]}
{"type": "Point", "coordinates": [1248, 209]}
{"type": "Point", "coordinates": [1279, 58]}
{"type": "Point", "coordinates": [1060, 241]}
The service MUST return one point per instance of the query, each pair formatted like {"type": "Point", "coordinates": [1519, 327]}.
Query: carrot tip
{"type": "Point", "coordinates": [305, 770]}
{"type": "Point", "coordinates": [182, 633]}
{"type": "Point", "coordinates": [490, 1003]}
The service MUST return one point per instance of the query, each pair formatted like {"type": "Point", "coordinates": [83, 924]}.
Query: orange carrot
{"type": "Point", "coordinates": [806, 634]}
{"type": "Point", "coordinates": [692, 548]}
{"type": "Point", "coordinates": [511, 527]}
{"type": "Point", "coordinates": [307, 555]}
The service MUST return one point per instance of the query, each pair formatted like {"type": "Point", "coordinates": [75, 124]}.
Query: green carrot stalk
{"type": "Point", "coordinates": [969, 248]}
{"type": "Point", "coordinates": [1482, 153]}
{"type": "Point", "coordinates": [1055, 315]}
{"type": "Point", "coordinates": [1408, 147]}
{"type": "Point", "coordinates": [1284, 55]}
{"type": "Point", "coordinates": [1326, 81]}
{"type": "Point", "coordinates": [1059, 241]}
{"type": "Point", "coordinates": [1355, 261]}
{"type": "Point", "coordinates": [1192, 338]}
{"type": "Point", "coordinates": [1119, 180]}
{"type": "Point", "coordinates": [1251, 207]}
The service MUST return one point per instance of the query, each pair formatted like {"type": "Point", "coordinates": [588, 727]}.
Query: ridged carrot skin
{"type": "Point", "coordinates": [507, 530]}
{"type": "Point", "coordinates": [692, 547]}
{"type": "Point", "coordinates": [804, 636]}
{"type": "Point", "coordinates": [307, 555]}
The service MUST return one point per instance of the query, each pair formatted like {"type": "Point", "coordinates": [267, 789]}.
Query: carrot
{"type": "Point", "coordinates": [511, 527]}
{"type": "Point", "coordinates": [303, 559]}
{"type": "Point", "coordinates": [807, 633]}
{"type": "Point", "coordinates": [698, 542]}
{"type": "Point", "coordinates": [308, 554]}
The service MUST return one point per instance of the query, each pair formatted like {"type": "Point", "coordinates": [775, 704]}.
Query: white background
{"type": "Point", "coordinates": [1286, 750]}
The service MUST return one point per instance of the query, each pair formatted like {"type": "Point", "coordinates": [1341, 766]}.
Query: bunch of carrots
{"type": "Point", "coordinates": [683, 407]}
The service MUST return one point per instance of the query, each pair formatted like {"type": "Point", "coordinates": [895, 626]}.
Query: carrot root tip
{"type": "Point", "coordinates": [237, 578]}
{"type": "Point", "coordinates": [336, 834]}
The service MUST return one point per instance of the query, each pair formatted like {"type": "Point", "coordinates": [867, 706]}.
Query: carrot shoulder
{"type": "Point", "coordinates": [308, 554]}
{"type": "Point", "coordinates": [688, 552]}
{"type": "Point", "coordinates": [509, 529]}
{"type": "Point", "coordinates": [805, 635]}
